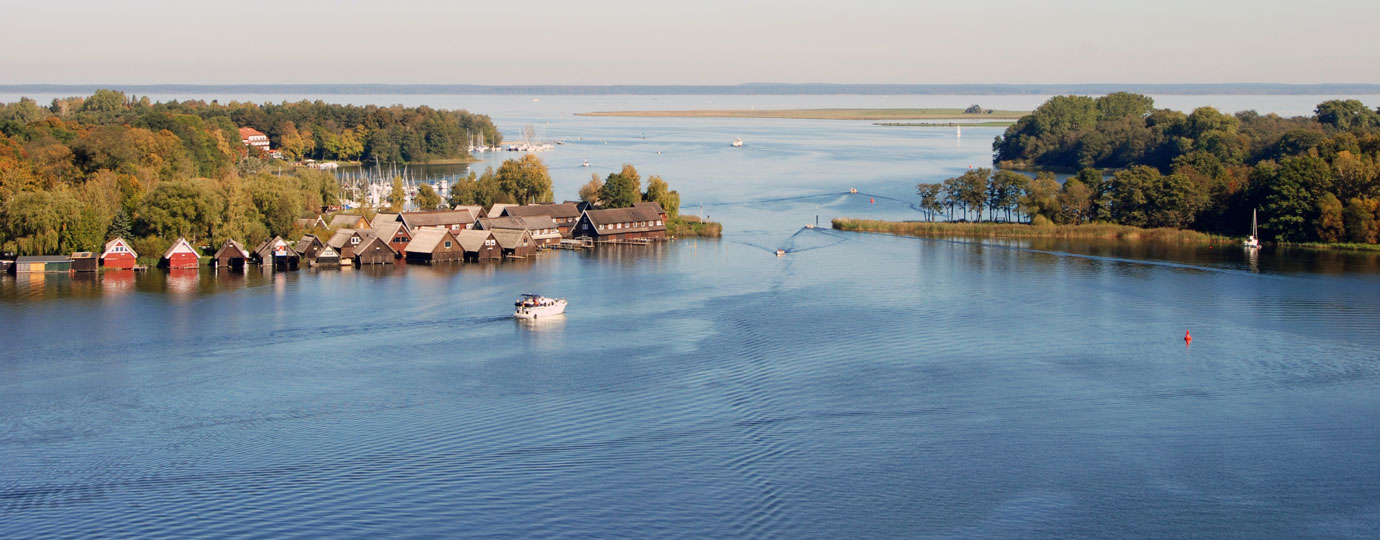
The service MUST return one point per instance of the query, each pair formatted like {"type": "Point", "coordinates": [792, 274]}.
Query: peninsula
{"type": "Point", "coordinates": [824, 114]}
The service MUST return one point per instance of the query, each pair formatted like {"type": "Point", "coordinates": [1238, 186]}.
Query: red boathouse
{"type": "Point", "coordinates": [118, 254]}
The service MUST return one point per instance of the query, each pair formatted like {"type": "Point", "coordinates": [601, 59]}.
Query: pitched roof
{"type": "Point", "coordinates": [247, 132]}
{"type": "Point", "coordinates": [650, 205]}
{"type": "Point", "coordinates": [181, 245]}
{"type": "Point", "coordinates": [472, 240]}
{"type": "Point", "coordinates": [553, 210]}
{"type": "Point", "coordinates": [346, 220]}
{"type": "Point", "coordinates": [305, 243]}
{"type": "Point", "coordinates": [341, 237]}
{"type": "Point", "coordinates": [426, 239]}
{"type": "Point", "coordinates": [119, 240]}
{"type": "Point", "coordinates": [475, 210]}
{"type": "Point", "coordinates": [510, 238]}
{"type": "Point", "coordinates": [380, 219]}
{"type": "Point", "coordinates": [388, 231]}
{"type": "Point", "coordinates": [626, 215]}
{"type": "Point", "coordinates": [265, 250]}
{"type": "Point", "coordinates": [531, 223]}
{"type": "Point", "coordinates": [497, 209]}
{"type": "Point", "coordinates": [232, 245]}
{"type": "Point", "coordinates": [367, 237]}
{"type": "Point", "coordinates": [310, 222]}
{"type": "Point", "coordinates": [415, 220]}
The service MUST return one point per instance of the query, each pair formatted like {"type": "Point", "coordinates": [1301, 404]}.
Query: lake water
{"type": "Point", "coordinates": [860, 386]}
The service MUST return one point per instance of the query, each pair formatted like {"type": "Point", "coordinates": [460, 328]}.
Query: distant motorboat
{"type": "Point", "coordinates": [586, 163]}
{"type": "Point", "coordinates": [780, 252]}
{"type": "Point", "coordinates": [737, 142]}
{"type": "Point", "coordinates": [532, 306]}
{"type": "Point", "coordinates": [1252, 241]}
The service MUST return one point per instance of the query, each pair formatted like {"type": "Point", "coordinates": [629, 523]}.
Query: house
{"type": "Point", "coordinates": [453, 220]}
{"type": "Point", "coordinates": [254, 138]}
{"type": "Point", "coordinates": [311, 223]}
{"type": "Point", "coordinates": [373, 250]}
{"type": "Point", "coordinates": [327, 257]}
{"type": "Point", "coordinates": [180, 255]}
{"type": "Point", "coordinates": [475, 210]}
{"type": "Point", "coordinates": [348, 221]}
{"type": "Point", "coordinates": [516, 244]}
{"type": "Point", "coordinates": [479, 245]}
{"type": "Point", "coordinates": [652, 206]}
{"type": "Point", "coordinates": [47, 264]}
{"type": "Point", "coordinates": [564, 214]}
{"type": "Point", "coordinates": [381, 219]}
{"type": "Point", "coordinates": [118, 254]}
{"type": "Point", "coordinates": [231, 255]}
{"type": "Point", "coordinates": [277, 254]}
{"type": "Point", "coordinates": [84, 261]}
{"type": "Point", "coordinates": [617, 224]}
{"type": "Point", "coordinates": [395, 234]}
{"type": "Point", "coordinates": [544, 230]}
{"type": "Point", "coordinates": [309, 247]}
{"type": "Point", "coordinates": [434, 245]}
{"type": "Point", "coordinates": [345, 240]}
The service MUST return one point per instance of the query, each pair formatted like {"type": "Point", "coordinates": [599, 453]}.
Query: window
{"type": "Point", "coordinates": [354, 240]}
{"type": "Point", "coordinates": [658, 222]}
{"type": "Point", "coordinates": [447, 244]}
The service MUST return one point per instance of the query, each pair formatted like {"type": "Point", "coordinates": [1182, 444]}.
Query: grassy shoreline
{"type": "Point", "coordinates": [692, 227]}
{"type": "Point", "coordinates": [1021, 230]}
{"type": "Point", "coordinates": [820, 114]}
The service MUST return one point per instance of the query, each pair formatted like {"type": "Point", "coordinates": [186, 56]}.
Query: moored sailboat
{"type": "Point", "coordinates": [1252, 241]}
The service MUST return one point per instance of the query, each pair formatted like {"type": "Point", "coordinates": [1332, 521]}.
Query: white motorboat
{"type": "Point", "coordinates": [737, 142]}
{"type": "Point", "coordinates": [532, 306]}
{"type": "Point", "coordinates": [1252, 241]}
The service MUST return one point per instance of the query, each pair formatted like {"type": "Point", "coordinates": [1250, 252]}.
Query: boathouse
{"type": "Point", "coordinates": [543, 229]}
{"type": "Point", "coordinates": [453, 220]}
{"type": "Point", "coordinates": [380, 219]}
{"type": "Point", "coordinates": [84, 261]}
{"type": "Point", "coordinates": [396, 234]}
{"type": "Point", "coordinates": [348, 221]}
{"type": "Point", "coordinates": [118, 254]}
{"type": "Point", "coordinates": [309, 247]}
{"type": "Point", "coordinates": [619, 224]}
{"type": "Point", "coordinates": [479, 245]}
{"type": "Point", "coordinates": [433, 245]}
{"type": "Point", "coordinates": [497, 209]}
{"type": "Point", "coordinates": [373, 250]}
{"type": "Point", "coordinates": [654, 207]}
{"type": "Point", "coordinates": [566, 215]}
{"type": "Point", "coordinates": [344, 242]}
{"type": "Point", "coordinates": [180, 255]}
{"type": "Point", "coordinates": [44, 264]}
{"type": "Point", "coordinates": [327, 257]}
{"type": "Point", "coordinates": [231, 255]}
{"type": "Point", "coordinates": [277, 254]}
{"type": "Point", "coordinates": [516, 244]}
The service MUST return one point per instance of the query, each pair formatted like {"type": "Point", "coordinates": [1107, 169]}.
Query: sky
{"type": "Point", "coordinates": [599, 42]}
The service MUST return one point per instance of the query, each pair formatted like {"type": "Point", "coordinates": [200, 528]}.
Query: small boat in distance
{"type": "Point", "coordinates": [958, 133]}
{"type": "Point", "coordinates": [737, 142]}
{"type": "Point", "coordinates": [1252, 241]}
{"type": "Point", "coordinates": [586, 163]}
{"type": "Point", "coordinates": [780, 252]}
{"type": "Point", "coordinates": [532, 306]}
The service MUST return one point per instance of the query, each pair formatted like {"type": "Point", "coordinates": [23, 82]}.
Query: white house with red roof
{"type": "Point", "coordinates": [253, 137]}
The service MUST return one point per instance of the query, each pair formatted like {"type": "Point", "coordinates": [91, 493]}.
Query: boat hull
{"type": "Point", "coordinates": [536, 312]}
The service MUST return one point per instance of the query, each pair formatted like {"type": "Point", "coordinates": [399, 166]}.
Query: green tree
{"type": "Point", "coordinates": [1004, 191]}
{"type": "Point", "coordinates": [465, 191]}
{"type": "Point", "coordinates": [661, 193]}
{"type": "Point", "coordinates": [1041, 197]}
{"type": "Point", "coordinates": [397, 196]}
{"type": "Point", "coordinates": [121, 226]}
{"type": "Point", "coordinates": [590, 191]}
{"type": "Point", "coordinates": [1330, 226]}
{"type": "Point", "coordinates": [619, 191]}
{"type": "Point", "coordinates": [427, 198]}
{"type": "Point", "coordinates": [1346, 114]}
{"type": "Point", "coordinates": [1359, 219]}
{"type": "Point", "coordinates": [1117, 105]}
{"type": "Point", "coordinates": [190, 208]}
{"type": "Point", "coordinates": [526, 180]}
{"type": "Point", "coordinates": [931, 199]}
{"type": "Point", "coordinates": [1075, 200]}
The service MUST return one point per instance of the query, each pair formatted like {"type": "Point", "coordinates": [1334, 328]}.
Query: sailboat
{"type": "Point", "coordinates": [1252, 241]}
{"type": "Point", "coordinates": [958, 131]}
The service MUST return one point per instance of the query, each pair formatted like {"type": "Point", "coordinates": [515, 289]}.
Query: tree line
{"type": "Point", "coordinates": [83, 170]}
{"type": "Point", "coordinates": [1312, 178]}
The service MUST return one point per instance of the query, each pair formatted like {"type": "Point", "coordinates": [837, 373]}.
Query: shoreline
{"type": "Point", "coordinates": [819, 114]}
{"type": "Point", "coordinates": [1022, 230]}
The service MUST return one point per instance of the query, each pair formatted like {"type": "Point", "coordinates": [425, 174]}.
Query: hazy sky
{"type": "Point", "coordinates": [690, 42]}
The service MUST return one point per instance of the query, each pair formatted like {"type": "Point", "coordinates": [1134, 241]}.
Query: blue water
{"type": "Point", "coordinates": [860, 386]}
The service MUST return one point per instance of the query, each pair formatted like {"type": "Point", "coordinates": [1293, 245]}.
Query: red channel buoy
{"type": "Point", "coordinates": [1188, 338]}
{"type": "Point", "coordinates": [871, 201]}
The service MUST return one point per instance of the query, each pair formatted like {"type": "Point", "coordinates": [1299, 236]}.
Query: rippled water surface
{"type": "Point", "coordinates": [860, 386]}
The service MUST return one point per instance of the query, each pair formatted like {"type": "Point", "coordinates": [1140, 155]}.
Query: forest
{"type": "Point", "coordinates": [85, 169]}
{"type": "Point", "coordinates": [1311, 178]}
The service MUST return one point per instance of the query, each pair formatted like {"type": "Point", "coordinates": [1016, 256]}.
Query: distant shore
{"type": "Point", "coordinates": [1022, 230]}
{"type": "Point", "coordinates": [821, 114]}
{"type": "Point", "coordinates": [994, 123]}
